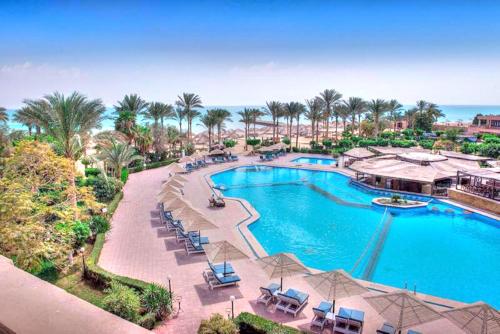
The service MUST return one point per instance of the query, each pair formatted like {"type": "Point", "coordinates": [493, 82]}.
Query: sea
{"type": "Point", "coordinates": [453, 113]}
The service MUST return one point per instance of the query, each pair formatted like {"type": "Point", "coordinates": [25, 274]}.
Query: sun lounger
{"type": "Point", "coordinates": [320, 313]}
{"type": "Point", "coordinates": [292, 301]}
{"type": "Point", "coordinates": [219, 280]}
{"type": "Point", "coordinates": [201, 163]}
{"type": "Point", "coordinates": [173, 225]}
{"type": "Point", "coordinates": [233, 158]}
{"type": "Point", "coordinates": [386, 328]}
{"type": "Point", "coordinates": [220, 268]}
{"type": "Point", "coordinates": [410, 331]}
{"type": "Point", "coordinates": [194, 243]}
{"type": "Point", "coordinates": [349, 321]}
{"type": "Point", "coordinates": [267, 295]}
{"type": "Point", "coordinates": [189, 167]}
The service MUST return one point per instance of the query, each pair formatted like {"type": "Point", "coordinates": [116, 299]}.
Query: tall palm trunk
{"type": "Point", "coordinates": [246, 135]}
{"type": "Point", "coordinates": [317, 131]}
{"type": "Point", "coordinates": [359, 124]}
{"type": "Point", "coordinates": [327, 126]}
{"type": "Point", "coordinates": [297, 134]}
{"type": "Point", "coordinates": [336, 127]}
{"type": "Point", "coordinates": [375, 120]}
{"type": "Point", "coordinates": [219, 126]}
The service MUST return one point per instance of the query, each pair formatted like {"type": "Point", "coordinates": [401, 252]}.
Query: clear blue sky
{"type": "Point", "coordinates": [244, 52]}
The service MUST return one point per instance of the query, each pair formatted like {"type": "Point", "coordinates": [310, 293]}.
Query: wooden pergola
{"type": "Point", "coordinates": [481, 183]}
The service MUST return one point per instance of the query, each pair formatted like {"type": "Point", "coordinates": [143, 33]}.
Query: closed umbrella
{"type": "Point", "coordinates": [403, 309]}
{"type": "Point", "coordinates": [185, 159]}
{"type": "Point", "coordinates": [478, 318]}
{"type": "Point", "coordinates": [223, 251]}
{"type": "Point", "coordinates": [335, 284]}
{"type": "Point", "coordinates": [282, 265]}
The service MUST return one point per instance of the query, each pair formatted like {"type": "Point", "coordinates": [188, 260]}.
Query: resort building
{"type": "Point", "coordinates": [412, 170]}
{"type": "Point", "coordinates": [486, 124]}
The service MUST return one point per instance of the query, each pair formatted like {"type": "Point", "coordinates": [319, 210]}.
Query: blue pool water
{"type": "Point", "coordinates": [316, 161]}
{"type": "Point", "coordinates": [329, 223]}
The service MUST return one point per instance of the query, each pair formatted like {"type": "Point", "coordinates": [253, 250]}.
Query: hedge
{"type": "Point", "coordinates": [253, 324]}
{"type": "Point", "coordinates": [152, 165]}
{"type": "Point", "coordinates": [92, 172]}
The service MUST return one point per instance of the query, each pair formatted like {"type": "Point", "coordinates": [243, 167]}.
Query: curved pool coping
{"type": "Point", "coordinates": [258, 250]}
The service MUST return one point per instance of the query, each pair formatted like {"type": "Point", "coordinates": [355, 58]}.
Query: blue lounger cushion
{"type": "Point", "coordinates": [218, 268]}
{"type": "Point", "coordinates": [301, 297]}
{"type": "Point", "coordinates": [196, 240]}
{"type": "Point", "coordinates": [227, 279]}
{"type": "Point", "coordinates": [324, 307]}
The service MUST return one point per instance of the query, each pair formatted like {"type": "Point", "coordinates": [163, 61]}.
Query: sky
{"type": "Point", "coordinates": [249, 52]}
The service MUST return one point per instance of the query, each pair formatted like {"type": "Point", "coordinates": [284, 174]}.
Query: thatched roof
{"type": "Point", "coordinates": [359, 153]}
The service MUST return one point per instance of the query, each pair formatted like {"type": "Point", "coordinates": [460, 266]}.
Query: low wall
{"type": "Point", "coordinates": [475, 201]}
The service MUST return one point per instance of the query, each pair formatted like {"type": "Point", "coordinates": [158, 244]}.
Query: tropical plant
{"type": "Point", "coordinates": [275, 110]}
{"type": "Point", "coordinates": [180, 115]}
{"type": "Point", "coordinates": [106, 188]}
{"type": "Point", "coordinates": [221, 116]}
{"type": "Point", "coordinates": [67, 119]}
{"type": "Point", "coordinates": [355, 105]}
{"type": "Point", "coordinates": [313, 114]}
{"type": "Point", "coordinates": [217, 324]}
{"type": "Point", "coordinates": [394, 107]}
{"type": "Point", "coordinates": [209, 121]}
{"type": "Point", "coordinates": [99, 224]}
{"type": "Point", "coordinates": [81, 231]}
{"type": "Point", "coordinates": [4, 117]}
{"type": "Point", "coordinates": [246, 119]}
{"type": "Point", "coordinates": [157, 300]}
{"type": "Point", "coordinates": [117, 154]}
{"type": "Point", "coordinates": [127, 111]}
{"type": "Point", "coordinates": [343, 112]}
{"type": "Point", "coordinates": [122, 301]}
{"type": "Point", "coordinates": [329, 97]}
{"type": "Point", "coordinates": [143, 139]}
{"type": "Point", "coordinates": [189, 102]}
{"type": "Point", "coordinates": [154, 111]}
{"type": "Point", "coordinates": [256, 114]}
{"type": "Point", "coordinates": [377, 108]}
{"type": "Point", "coordinates": [301, 109]}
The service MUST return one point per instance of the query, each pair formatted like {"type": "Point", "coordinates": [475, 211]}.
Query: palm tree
{"type": "Point", "coordinates": [133, 103]}
{"type": "Point", "coordinates": [393, 107]}
{"type": "Point", "coordinates": [300, 109]}
{"type": "Point", "coordinates": [355, 105]}
{"type": "Point", "coordinates": [410, 117]}
{"type": "Point", "coordinates": [246, 118]}
{"type": "Point", "coordinates": [256, 114]}
{"type": "Point", "coordinates": [26, 118]}
{"type": "Point", "coordinates": [167, 112]}
{"type": "Point", "coordinates": [433, 111]}
{"type": "Point", "coordinates": [179, 115]}
{"type": "Point", "coordinates": [290, 110]}
{"type": "Point", "coordinates": [209, 121]}
{"type": "Point", "coordinates": [154, 111]}
{"type": "Point", "coordinates": [221, 116]}
{"type": "Point", "coordinates": [67, 118]}
{"type": "Point", "coordinates": [344, 112]}
{"type": "Point", "coordinates": [143, 139]}
{"type": "Point", "coordinates": [118, 154]}
{"type": "Point", "coordinates": [275, 110]}
{"type": "Point", "coordinates": [314, 114]}
{"type": "Point", "coordinates": [189, 102]}
{"type": "Point", "coordinates": [3, 115]}
{"type": "Point", "coordinates": [127, 110]}
{"type": "Point", "coordinates": [377, 108]}
{"type": "Point", "coordinates": [329, 98]}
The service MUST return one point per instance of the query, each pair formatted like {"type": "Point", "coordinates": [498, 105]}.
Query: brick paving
{"type": "Point", "coordinates": [139, 246]}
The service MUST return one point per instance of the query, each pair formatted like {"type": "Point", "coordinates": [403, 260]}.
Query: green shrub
{"type": "Point", "coordinates": [286, 141]}
{"type": "Point", "coordinates": [99, 224]}
{"type": "Point", "coordinates": [122, 301]}
{"type": "Point", "coordinates": [249, 323]}
{"type": "Point", "coordinates": [156, 300]}
{"type": "Point", "coordinates": [189, 149]}
{"type": "Point", "coordinates": [124, 176]}
{"type": "Point", "coordinates": [253, 141]}
{"type": "Point", "coordinates": [427, 144]}
{"type": "Point", "coordinates": [48, 271]}
{"type": "Point", "coordinates": [105, 188]}
{"type": "Point", "coordinates": [402, 143]}
{"type": "Point", "coordinates": [388, 135]}
{"type": "Point", "coordinates": [345, 143]}
{"type": "Point", "coordinates": [491, 139]}
{"type": "Point", "coordinates": [92, 172]}
{"type": "Point", "coordinates": [327, 143]}
{"type": "Point", "coordinates": [152, 165]}
{"type": "Point", "coordinates": [408, 134]}
{"type": "Point", "coordinates": [147, 321]}
{"type": "Point", "coordinates": [217, 324]}
{"type": "Point", "coordinates": [469, 148]}
{"type": "Point", "coordinates": [489, 150]}
{"type": "Point", "coordinates": [229, 143]}
{"type": "Point", "coordinates": [367, 142]}
{"type": "Point", "coordinates": [81, 231]}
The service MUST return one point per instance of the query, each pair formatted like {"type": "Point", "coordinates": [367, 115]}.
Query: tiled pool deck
{"type": "Point", "coordinates": [139, 246]}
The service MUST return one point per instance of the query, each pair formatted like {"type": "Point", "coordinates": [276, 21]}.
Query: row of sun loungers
{"type": "Point", "coordinates": [195, 165]}
{"type": "Point", "coordinates": [220, 275]}
{"type": "Point", "coordinates": [228, 158]}
{"type": "Point", "coordinates": [271, 156]}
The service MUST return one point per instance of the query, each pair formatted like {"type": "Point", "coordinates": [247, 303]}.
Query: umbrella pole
{"type": "Point", "coordinates": [281, 284]}
{"type": "Point", "coordinates": [333, 306]}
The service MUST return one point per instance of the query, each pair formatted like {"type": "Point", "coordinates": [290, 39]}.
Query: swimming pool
{"type": "Point", "coordinates": [328, 224]}
{"type": "Point", "coordinates": [316, 161]}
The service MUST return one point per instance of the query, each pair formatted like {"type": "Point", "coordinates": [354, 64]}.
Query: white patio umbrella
{"type": "Point", "coordinates": [477, 318]}
{"type": "Point", "coordinates": [282, 265]}
{"type": "Point", "coordinates": [402, 309]}
{"type": "Point", "coordinates": [223, 251]}
{"type": "Point", "coordinates": [335, 284]}
{"type": "Point", "coordinates": [176, 168]}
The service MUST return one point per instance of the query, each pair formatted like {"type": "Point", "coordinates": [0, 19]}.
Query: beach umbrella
{"type": "Point", "coordinates": [216, 152]}
{"type": "Point", "coordinates": [185, 159]}
{"type": "Point", "coordinates": [223, 251]}
{"type": "Point", "coordinates": [335, 284]}
{"type": "Point", "coordinates": [403, 309]}
{"type": "Point", "coordinates": [175, 183]}
{"type": "Point", "coordinates": [176, 168]}
{"type": "Point", "coordinates": [266, 149]}
{"type": "Point", "coordinates": [170, 187]}
{"type": "Point", "coordinates": [477, 318]}
{"type": "Point", "coordinates": [176, 203]}
{"type": "Point", "coordinates": [282, 265]}
{"type": "Point", "coordinates": [178, 177]}
{"type": "Point", "coordinates": [167, 196]}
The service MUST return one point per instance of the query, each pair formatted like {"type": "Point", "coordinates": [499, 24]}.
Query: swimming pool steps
{"type": "Point", "coordinates": [379, 246]}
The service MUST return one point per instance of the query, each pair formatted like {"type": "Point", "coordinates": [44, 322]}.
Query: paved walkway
{"type": "Point", "coordinates": [139, 246]}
